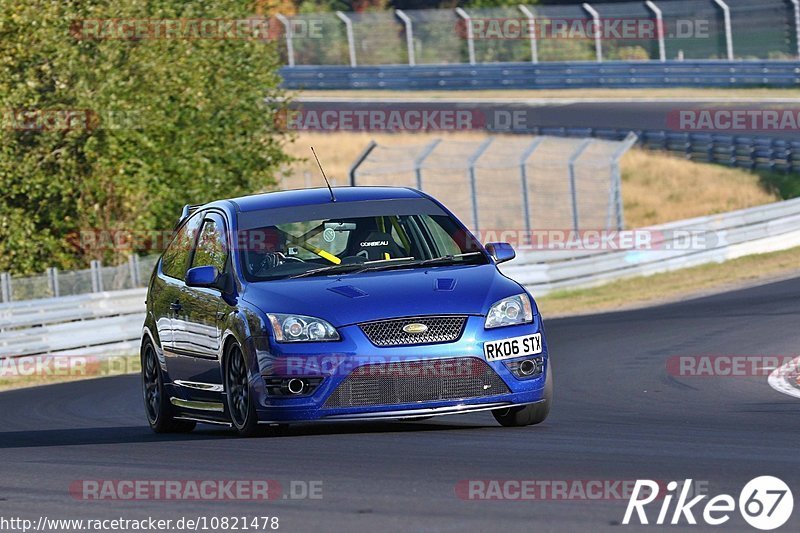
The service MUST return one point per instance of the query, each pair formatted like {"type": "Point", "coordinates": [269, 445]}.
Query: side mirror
{"type": "Point", "coordinates": [203, 276]}
{"type": "Point", "coordinates": [501, 251]}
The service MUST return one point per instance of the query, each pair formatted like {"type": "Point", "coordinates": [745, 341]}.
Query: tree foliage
{"type": "Point", "coordinates": [171, 121]}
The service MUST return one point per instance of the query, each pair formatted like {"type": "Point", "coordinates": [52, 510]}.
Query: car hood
{"type": "Point", "coordinates": [349, 299]}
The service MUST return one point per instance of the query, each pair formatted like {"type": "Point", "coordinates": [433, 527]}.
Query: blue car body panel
{"type": "Point", "coordinates": [345, 301]}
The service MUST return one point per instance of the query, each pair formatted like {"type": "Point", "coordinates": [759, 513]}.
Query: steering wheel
{"type": "Point", "coordinates": [274, 259]}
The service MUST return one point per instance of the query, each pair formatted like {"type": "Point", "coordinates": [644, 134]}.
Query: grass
{"type": "Point", "coordinates": [650, 94]}
{"type": "Point", "coordinates": [657, 187]}
{"type": "Point", "coordinates": [44, 370]}
{"type": "Point", "coordinates": [672, 286]}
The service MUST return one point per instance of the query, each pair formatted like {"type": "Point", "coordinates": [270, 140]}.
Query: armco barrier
{"type": "Point", "coordinates": [95, 323]}
{"type": "Point", "coordinates": [107, 323]}
{"type": "Point", "coordinates": [612, 74]}
{"type": "Point", "coordinates": [755, 230]}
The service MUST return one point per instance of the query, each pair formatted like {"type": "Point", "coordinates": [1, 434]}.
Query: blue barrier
{"type": "Point", "coordinates": [612, 74]}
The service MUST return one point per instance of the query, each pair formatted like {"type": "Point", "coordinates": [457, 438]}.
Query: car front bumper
{"type": "Point", "coordinates": [335, 362]}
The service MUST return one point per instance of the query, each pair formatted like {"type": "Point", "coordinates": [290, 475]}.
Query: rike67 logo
{"type": "Point", "coordinates": [765, 503]}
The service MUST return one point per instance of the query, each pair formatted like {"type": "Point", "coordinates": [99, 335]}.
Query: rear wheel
{"type": "Point", "coordinates": [241, 404]}
{"type": "Point", "coordinates": [528, 415]}
{"type": "Point", "coordinates": [156, 406]}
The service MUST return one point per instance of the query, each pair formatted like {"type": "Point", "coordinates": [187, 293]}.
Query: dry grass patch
{"type": "Point", "coordinates": [659, 187]}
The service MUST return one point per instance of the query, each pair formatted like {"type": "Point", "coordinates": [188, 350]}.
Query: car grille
{"type": "Point", "coordinates": [390, 332]}
{"type": "Point", "coordinates": [395, 383]}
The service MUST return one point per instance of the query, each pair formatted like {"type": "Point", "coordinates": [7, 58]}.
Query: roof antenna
{"type": "Point", "coordinates": [333, 198]}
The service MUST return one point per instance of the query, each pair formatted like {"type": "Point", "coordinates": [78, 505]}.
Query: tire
{"type": "Point", "coordinates": [528, 415]}
{"type": "Point", "coordinates": [241, 405]}
{"type": "Point", "coordinates": [158, 410]}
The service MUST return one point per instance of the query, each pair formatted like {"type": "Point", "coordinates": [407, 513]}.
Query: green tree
{"type": "Point", "coordinates": [170, 121]}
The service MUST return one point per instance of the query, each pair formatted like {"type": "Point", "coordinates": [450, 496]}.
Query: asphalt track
{"type": "Point", "coordinates": [634, 114]}
{"type": "Point", "coordinates": [618, 416]}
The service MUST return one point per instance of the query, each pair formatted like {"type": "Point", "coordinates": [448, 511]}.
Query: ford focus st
{"type": "Point", "coordinates": [375, 303]}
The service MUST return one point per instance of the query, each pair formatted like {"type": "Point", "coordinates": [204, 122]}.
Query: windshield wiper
{"type": "Point", "coordinates": [422, 262]}
{"type": "Point", "coordinates": [344, 267]}
{"type": "Point", "coordinates": [447, 258]}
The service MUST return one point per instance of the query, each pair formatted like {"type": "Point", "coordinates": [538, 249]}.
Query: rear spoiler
{"type": "Point", "coordinates": [188, 209]}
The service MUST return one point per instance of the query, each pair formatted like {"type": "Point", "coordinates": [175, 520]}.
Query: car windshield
{"type": "Point", "coordinates": [354, 237]}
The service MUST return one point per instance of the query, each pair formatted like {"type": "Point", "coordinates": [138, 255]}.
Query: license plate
{"type": "Point", "coordinates": [513, 347]}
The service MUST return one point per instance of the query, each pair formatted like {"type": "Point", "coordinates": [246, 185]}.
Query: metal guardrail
{"type": "Point", "coordinates": [562, 75]}
{"type": "Point", "coordinates": [105, 323]}
{"type": "Point", "coordinates": [726, 236]}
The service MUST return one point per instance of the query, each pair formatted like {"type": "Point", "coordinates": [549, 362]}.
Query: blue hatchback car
{"type": "Point", "coordinates": [375, 303]}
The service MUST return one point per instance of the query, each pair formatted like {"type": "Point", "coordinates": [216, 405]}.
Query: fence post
{"type": "Point", "coordinates": [351, 41]}
{"type": "Point", "coordinates": [662, 50]}
{"type": "Point", "coordinates": [412, 60]}
{"type": "Point", "coordinates": [5, 286]}
{"type": "Point", "coordinates": [287, 26]}
{"type": "Point", "coordinates": [52, 281]}
{"type": "Point", "coordinates": [354, 167]}
{"type": "Point", "coordinates": [572, 185]}
{"type": "Point", "coordinates": [532, 28]}
{"type": "Point", "coordinates": [133, 263]}
{"type": "Point", "coordinates": [470, 34]}
{"type": "Point", "coordinates": [598, 38]}
{"type": "Point", "coordinates": [421, 159]}
{"type": "Point", "coordinates": [726, 13]}
{"type": "Point", "coordinates": [615, 197]}
{"type": "Point", "coordinates": [472, 183]}
{"type": "Point", "coordinates": [796, 5]}
{"type": "Point", "coordinates": [97, 278]}
{"type": "Point", "coordinates": [523, 172]}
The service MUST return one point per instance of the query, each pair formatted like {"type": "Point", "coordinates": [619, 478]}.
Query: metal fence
{"type": "Point", "coordinates": [657, 30]}
{"type": "Point", "coordinates": [55, 283]}
{"type": "Point", "coordinates": [510, 182]}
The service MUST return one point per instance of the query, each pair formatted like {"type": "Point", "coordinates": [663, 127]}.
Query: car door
{"type": "Point", "coordinates": [200, 337]}
{"type": "Point", "coordinates": [169, 283]}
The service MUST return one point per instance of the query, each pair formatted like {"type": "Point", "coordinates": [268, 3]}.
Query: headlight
{"type": "Point", "coordinates": [300, 328]}
{"type": "Point", "coordinates": [509, 311]}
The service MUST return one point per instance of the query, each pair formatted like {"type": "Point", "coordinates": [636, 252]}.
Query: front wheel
{"type": "Point", "coordinates": [241, 404]}
{"type": "Point", "coordinates": [528, 415]}
{"type": "Point", "coordinates": [156, 405]}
